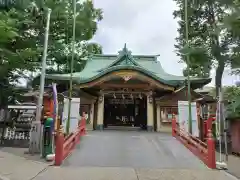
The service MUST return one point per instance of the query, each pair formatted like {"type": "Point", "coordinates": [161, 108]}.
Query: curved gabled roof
{"type": "Point", "coordinates": [100, 65]}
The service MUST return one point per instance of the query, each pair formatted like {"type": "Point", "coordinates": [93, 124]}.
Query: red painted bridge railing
{"type": "Point", "coordinates": [204, 151]}
{"type": "Point", "coordinates": [65, 145]}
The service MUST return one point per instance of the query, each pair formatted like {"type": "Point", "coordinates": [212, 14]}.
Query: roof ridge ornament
{"type": "Point", "coordinates": [124, 58]}
{"type": "Point", "coordinates": [129, 60]}
{"type": "Point", "coordinates": [125, 51]}
{"type": "Point", "coordinates": [125, 46]}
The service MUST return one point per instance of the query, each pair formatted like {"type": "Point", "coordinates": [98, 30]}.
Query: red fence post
{"type": "Point", "coordinates": [82, 126]}
{"type": "Point", "coordinates": [59, 147]}
{"type": "Point", "coordinates": [174, 125]}
{"type": "Point", "coordinates": [211, 150]}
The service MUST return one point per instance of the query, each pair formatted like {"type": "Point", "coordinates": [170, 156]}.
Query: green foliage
{"type": "Point", "coordinates": [232, 23]}
{"type": "Point", "coordinates": [199, 64]}
{"type": "Point", "coordinates": [22, 28]}
{"type": "Point", "coordinates": [17, 47]}
{"type": "Point", "coordinates": [79, 64]}
{"type": "Point", "coordinates": [231, 98]}
{"type": "Point", "coordinates": [232, 95]}
{"type": "Point", "coordinates": [60, 37]}
{"type": "Point", "coordinates": [210, 43]}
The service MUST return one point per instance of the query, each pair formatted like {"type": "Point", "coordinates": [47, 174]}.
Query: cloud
{"type": "Point", "coordinates": [147, 27]}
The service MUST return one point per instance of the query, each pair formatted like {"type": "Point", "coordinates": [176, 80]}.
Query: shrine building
{"type": "Point", "coordinates": [129, 90]}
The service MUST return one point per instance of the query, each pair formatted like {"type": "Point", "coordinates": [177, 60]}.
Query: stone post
{"type": "Point", "coordinates": [100, 114]}
{"type": "Point", "coordinates": [150, 112]}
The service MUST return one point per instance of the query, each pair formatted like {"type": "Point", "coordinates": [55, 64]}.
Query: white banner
{"type": "Point", "coordinates": [183, 113]}
{"type": "Point", "coordinates": [74, 115]}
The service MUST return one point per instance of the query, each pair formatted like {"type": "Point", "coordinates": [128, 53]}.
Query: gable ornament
{"type": "Point", "coordinates": [127, 78]}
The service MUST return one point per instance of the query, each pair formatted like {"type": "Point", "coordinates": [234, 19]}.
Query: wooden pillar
{"type": "Point", "coordinates": [150, 112]}
{"type": "Point", "coordinates": [159, 123]}
{"type": "Point", "coordinates": [92, 112]}
{"type": "Point", "coordinates": [91, 117]}
{"type": "Point", "coordinates": [100, 113]}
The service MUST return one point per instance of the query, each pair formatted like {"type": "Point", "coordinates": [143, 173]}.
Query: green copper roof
{"type": "Point", "coordinates": [99, 65]}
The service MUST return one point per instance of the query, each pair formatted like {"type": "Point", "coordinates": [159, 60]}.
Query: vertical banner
{"type": "Point", "coordinates": [183, 111]}
{"type": "Point", "coordinates": [195, 126]}
{"type": "Point", "coordinates": [74, 114]}
{"type": "Point", "coordinates": [183, 115]}
{"type": "Point", "coordinates": [55, 101]}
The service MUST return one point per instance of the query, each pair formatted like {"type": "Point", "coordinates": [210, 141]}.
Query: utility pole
{"type": "Point", "coordinates": [188, 70]}
{"type": "Point", "coordinates": [71, 68]}
{"type": "Point", "coordinates": [36, 127]}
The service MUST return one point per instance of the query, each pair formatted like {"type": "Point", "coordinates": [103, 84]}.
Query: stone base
{"type": "Point", "coordinates": [150, 128]}
{"type": "Point", "coordinates": [89, 127]}
{"type": "Point", "coordinates": [165, 129]}
{"type": "Point", "coordinates": [99, 127]}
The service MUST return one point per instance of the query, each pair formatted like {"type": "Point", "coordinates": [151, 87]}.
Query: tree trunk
{"type": "Point", "coordinates": [216, 52]}
{"type": "Point", "coordinates": [218, 76]}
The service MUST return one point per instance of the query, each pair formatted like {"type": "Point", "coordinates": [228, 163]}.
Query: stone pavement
{"type": "Point", "coordinates": [132, 149]}
{"type": "Point", "coordinates": [233, 164]}
{"type": "Point", "coordinates": [14, 167]}
{"type": "Point", "coordinates": [115, 173]}
{"type": "Point", "coordinates": [118, 156]}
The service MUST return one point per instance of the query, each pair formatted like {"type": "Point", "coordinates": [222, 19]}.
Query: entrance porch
{"type": "Point", "coordinates": [125, 109]}
{"type": "Point", "coordinates": [126, 98]}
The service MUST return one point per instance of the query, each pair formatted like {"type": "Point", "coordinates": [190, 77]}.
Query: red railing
{"type": "Point", "coordinates": [64, 146]}
{"type": "Point", "coordinates": [204, 151]}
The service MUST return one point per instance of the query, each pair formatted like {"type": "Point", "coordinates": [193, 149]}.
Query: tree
{"type": "Point", "coordinates": [17, 47]}
{"type": "Point", "coordinates": [60, 38]}
{"type": "Point", "coordinates": [232, 23]}
{"type": "Point", "coordinates": [209, 42]}
{"type": "Point", "coordinates": [79, 64]}
{"type": "Point", "coordinates": [22, 26]}
{"type": "Point", "coordinates": [231, 97]}
{"type": "Point", "coordinates": [84, 51]}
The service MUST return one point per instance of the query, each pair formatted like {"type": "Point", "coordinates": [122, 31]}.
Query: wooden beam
{"type": "Point", "coordinates": [124, 85]}
{"type": "Point", "coordinates": [139, 75]}
{"type": "Point", "coordinates": [124, 92]}
{"type": "Point", "coordinates": [84, 94]}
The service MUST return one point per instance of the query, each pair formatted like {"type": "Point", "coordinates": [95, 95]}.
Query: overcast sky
{"type": "Point", "coordinates": [146, 26]}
